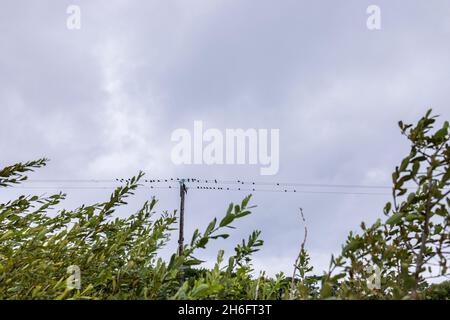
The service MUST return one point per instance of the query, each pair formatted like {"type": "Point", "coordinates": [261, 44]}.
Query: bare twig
{"type": "Point", "coordinates": [302, 247]}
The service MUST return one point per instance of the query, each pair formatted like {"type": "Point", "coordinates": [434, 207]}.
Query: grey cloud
{"type": "Point", "coordinates": [103, 101]}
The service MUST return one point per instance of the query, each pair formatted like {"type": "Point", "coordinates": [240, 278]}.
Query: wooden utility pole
{"type": "Point", "coordinates": [183, 191]}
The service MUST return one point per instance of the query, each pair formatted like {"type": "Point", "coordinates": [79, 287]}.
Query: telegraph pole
{"type": "Point", "coordinates": [183, 191]}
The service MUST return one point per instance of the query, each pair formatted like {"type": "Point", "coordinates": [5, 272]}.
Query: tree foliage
{"type": "Point", "coordinates": [413, 244]}
{"type": "Point", "coordinates": [118, 257]}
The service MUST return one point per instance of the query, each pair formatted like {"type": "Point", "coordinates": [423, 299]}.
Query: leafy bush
{"type": "Point", "coordinates": [118, 257]}
{"type": "Point", "coordinates": [438, 291]}
{"type": "Point", "coordinates": [415, 239]}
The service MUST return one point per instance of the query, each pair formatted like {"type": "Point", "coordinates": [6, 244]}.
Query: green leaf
{"type": "Point", "coordinates": [326, 290]}
{"type": "Point", "coordinates": [415, 168]}
{"type": "Point", "coordinates": [230, 208]}
{"type": "Point", "coordinates": [438, 229]}
{"type": "Point", "coordinates": [223, 236]}
{"type": "Point", "coordinates": [227, 220]}
{"type": "Point", "coordinates": [411, 217]}
{"type": "Point", "coordinates": [202, 242]}
{"type": "Point", "coordinates": [404, 163]}
{"type": "Point", "coordinates": [353, 245]}
{"type": "Point", "coordinates": [411, 197]}
{"type": "Point", "coordinates": [440, 134]}
{"type": "Point", "coordinates": [394, 219]}
{"type": "Point", "coordinates": [211, 226]}
{"type": "Point", "coordinates": [193, 261]}
{"type": "Point", "coordinates": [245, 201]}
{"type": "Point", "coordinates": [200, 290]}
{"type": "Point", "coordinates": [242, 214]}
{"type": "Point", "coordinates": [395, 175]}
{"type": "Point", "coordinates": [387, 208]}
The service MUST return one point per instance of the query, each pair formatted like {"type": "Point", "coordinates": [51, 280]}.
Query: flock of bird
{"type": "Point", "coordinates": [215, 184]}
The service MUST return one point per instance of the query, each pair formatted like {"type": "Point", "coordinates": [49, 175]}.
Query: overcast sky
{"type": "Point", "coordinates": [101, 102]}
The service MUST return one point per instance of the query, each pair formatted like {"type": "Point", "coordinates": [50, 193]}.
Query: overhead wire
{"type": "Point", "coordinates": [203, 187]}
{"type": "Point", "coordinates": [212, 181]}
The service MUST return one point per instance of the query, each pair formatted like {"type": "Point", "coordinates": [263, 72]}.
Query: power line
{"type": "Point", "coordinates": [69, 181]}
{"type": "Point", "coordinates": [206, 188]}
{"type": "Point", "coordinates": [213, 182]}
{"type": "Point", "coordinates": [218, 182]}
{"type": "Point", "coordinates": [294, 191]}
{"type": "Point", "coordinates": [83, 187]}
